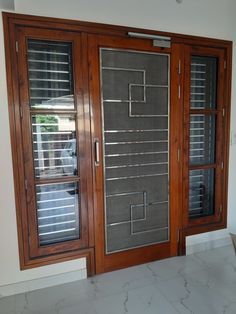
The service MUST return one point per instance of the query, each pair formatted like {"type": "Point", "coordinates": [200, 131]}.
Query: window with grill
{"type": "Point", "coordinates": [53, 137]}
{"type": "Point", "coordinates": [204, 120]}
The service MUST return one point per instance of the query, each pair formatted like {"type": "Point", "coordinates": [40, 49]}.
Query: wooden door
{"type": "Point", "coordinates": [136, 126]}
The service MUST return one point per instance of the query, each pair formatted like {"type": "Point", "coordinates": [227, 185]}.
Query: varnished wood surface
{"type": "Point", "coordinates": [17, 27]}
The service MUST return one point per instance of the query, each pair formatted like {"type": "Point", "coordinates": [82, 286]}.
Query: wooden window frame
{"type": "Point", "coordinates": [12, 23]}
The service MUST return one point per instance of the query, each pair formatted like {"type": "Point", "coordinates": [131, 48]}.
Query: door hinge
{"type": "Point", "coordinates": [26, 185]}
{"type": "Point", "coordinates": [179, 71]}
{"type": "Point", "coordinates": [21, 112]}
{"type": "Point", "coordinates": [225, 64]}
{"type": "Point", "coordinates": [223, 112]}
{"type": "Point", "coordinates": [178, 154]}
{"type": "Point", "coordinates": [179, 91]}
{"type": "Point", "coordinates": [222, 165]}
{"type": "Point", "coordinates": [17, 46]}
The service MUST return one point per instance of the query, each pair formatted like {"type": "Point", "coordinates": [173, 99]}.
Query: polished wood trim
{"type": "Point", "coordinates": [107, 29]}
{"type": "Point", "coordinates": [205, 166]}
{"type": "Point", "coordinates": [16, 140]}
{"type": "Point", "coordinates": [62, 257]}
{"type": "Point", "coordinates": [136, 256]}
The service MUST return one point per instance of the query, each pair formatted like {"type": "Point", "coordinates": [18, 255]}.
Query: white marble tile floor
{"type": "Point", "coordinates": [202, 283]}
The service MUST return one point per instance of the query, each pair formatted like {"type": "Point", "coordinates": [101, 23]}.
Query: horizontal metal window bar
{"type": "Point", "coordinates": [141, 193]}
{"type": "Point", "coordinates": [39, 42]}
{"type": "Point", "coordinates": [131, 221]}
{"type": "Point", "coordinates": [57, 100]}
{"type": "Point", "coordinates": [49, 124]}
{"type": "Point", "coordinates": [147, 85]}
{"type": "Point", "coordinates": [48, 80]}
{"type": "Point", "coordinates": [57, 199]}
{"type": "Point", "coordinates": [52, 167]}
{"type": "Point", "coordinates": [53, 208]}
{"type": "Point", "coordinates": [55, 216]}
{"type": "Point", "coordinates": [196, 196]}
{"type": "Point", "coordinates": [46, 176]}
{"type": "Point", "coordinates": [55, 158]}
{"type": "Point", "coordinates": [195, 183]}
{"type": "Point", "coordinates": [198, 86]}
{"type": "Point", "coordinates": [198, 64]}
{"type": "Point", "coordinates": [58, 231]}
{"type": "Point", "coordinates": [136, 142]}
{"type": "Point", "coordinates": [193, 93]}
{"type": "Point", "coordinates": [197, 79]}
{"type": "Point", "coordinates": [197, 72]}
{"type": "Point", "coordinates": [196, 143]}
{"type": "Point", "coordinates": [48, 71]}
{"type": "Point", "coordinates": [193, 129]}
{"type": "Point", "coordinates": [198, 156]}
{"type": "Point", "coordinates": [196, 149]}
{"type": "Point", "coordinates": [196, 175]}
{"type": "Point", "coordinates": [50, 89]}
{"type": "Point", "coordinates": [194, 107]}
{"type": "Point", "coordinates": [193, 135]}
{"type": "Point", "coordinates": [51, 150]}
{"type": "Point", "coordinates": [48, 52]}
{"type": "Point", "coordinates": [54, 133]}
{"type": "Point", "coordinates": [196, 209]}
{"type": "Point", "coordinates": [136, 154]}
{"type": "Point", "coordinates": [139, 176]}
{"type": "Point", "coordinates": [136, 131]}
{"type": "Point", "coordinates": [42, 98]}
{"type": "Point", "coordinates": [123, 69]}
{"type": "Point", "coordinates": [137, 165]}
{"type": "Point", "coordinates": [54, 191]}
{"type": "Point", "coordinates": [191, 203]}
{"type": "Point", "coordinates": [57, 224]}
{"type": "Point", "coordinates": [197, 122]}
{"type": "Point", "coordinates": [199, 100]}
{"type": "Point", "coordinates": [56, 141]}
{"type": "Point", "coordinates": [48, 62]}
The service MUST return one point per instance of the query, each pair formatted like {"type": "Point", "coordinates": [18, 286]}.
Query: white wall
{"type": "Point", "coordinates": [210, 18]}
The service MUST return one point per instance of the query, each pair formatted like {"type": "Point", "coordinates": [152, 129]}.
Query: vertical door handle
{"type": "Point", "coordinates": [97, 152]}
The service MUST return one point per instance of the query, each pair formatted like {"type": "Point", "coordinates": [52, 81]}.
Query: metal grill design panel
{"type": "Point", "coordinates": [202, 133]}
{"type": "Point", "coordinates": [135, 101]}
{"type": "Point", "coordinates": [50, 74]}
{"type": "Point", "coordinates": [57, 211]}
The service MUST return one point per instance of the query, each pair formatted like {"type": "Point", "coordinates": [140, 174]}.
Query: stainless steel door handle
{"type": "Point", "coordinates": [97, 152]}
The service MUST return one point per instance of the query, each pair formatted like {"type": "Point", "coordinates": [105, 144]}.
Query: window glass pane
{"type": "Point", "coordinates": [54, 145]}
{"type": "Point", "coordinates": [201, 193]}
{"type": "Point", "coordinates": [203, 82]}
{"type": "Point", "coordinates": [58, 212]}
{"type": "Point", "coordinates": [202, 139]}
{"type": "Point", "coordinates": [50, 74]}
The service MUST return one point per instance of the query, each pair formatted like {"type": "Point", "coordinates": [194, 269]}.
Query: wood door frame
{"type": "Point", "coordinates": [148, 253]}
{"type": "Point", "coordinates": [11, 22]}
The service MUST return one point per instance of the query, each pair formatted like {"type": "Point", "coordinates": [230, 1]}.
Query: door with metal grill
{"type": "Point", "coordinates": [133, 162]}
